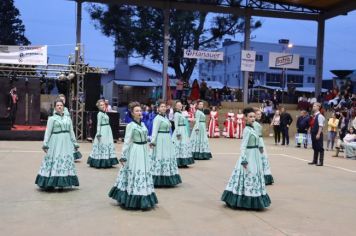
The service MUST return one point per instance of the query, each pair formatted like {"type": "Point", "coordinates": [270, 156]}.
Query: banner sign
{"type": "Point", "coordinates": [217, 56]}
{"type": "Point", "coordinates": [248, 60]}
{"type": "Point", "coordinates": [283, 60]}
{"type": "Point", "coordinates": [23, 55]}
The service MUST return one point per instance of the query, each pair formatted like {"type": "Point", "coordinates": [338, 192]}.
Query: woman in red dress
{"type": "Point", "coordinates": [240, 124]}
{"type": "Point", "coordinates": [229, 125]}
{"type": "Point", "coordinates": [213, 131]}
{"type": "Point", "coordinates": [195, 94]}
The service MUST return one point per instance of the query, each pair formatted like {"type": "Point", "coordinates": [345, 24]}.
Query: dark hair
{"type": "Point", "coordinates": [175, 105]}
{"type": "Point", "coordinates": [160, 102]}
{"type": "Point", "coordinates": [57, 101]}
{"type": "Point", "coordinates": [132, 106]}
{"type": "Point", "coordinates": [199, 101]}
{"type": "Point", "coordinates": [248, 110]}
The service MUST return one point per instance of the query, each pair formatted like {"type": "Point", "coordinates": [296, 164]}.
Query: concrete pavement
{"type": "Point", "coordinates": [306, 200]}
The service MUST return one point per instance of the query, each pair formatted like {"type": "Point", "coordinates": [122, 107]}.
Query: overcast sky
{"type": "Point", "coordinates": [52, 22]}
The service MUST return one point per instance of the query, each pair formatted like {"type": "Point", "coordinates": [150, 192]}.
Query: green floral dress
{"type": "Point", "coordinates": [134, 185]}
{"type": "Point", "coordinates": [246, 187]}
{"type": "Point", "coordinates": [77, 155]}
{"type": "Point", "coordinates": [180, 140]}
{"type": "Point", "coordinates": [265, 163]}
{"type": "Point", "coordinates": [199, 141]}
{"type": "Point", "coordinates": [57, 168]}
{"type": "Point", "coordinates": [103, 154]}
{"type": "Point", "coordinates": [164, 162]}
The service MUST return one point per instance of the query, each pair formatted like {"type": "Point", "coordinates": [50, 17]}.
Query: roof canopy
{"type": "Point", "coordinates": [292, 9]}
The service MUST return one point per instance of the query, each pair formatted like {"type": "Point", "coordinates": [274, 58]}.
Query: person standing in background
{"type": "Point", "coordinates": [286, 121]}
{"type": "Point", "coordinates": [317, 136]}
{"type": "Point", "coordinates": [276, 121]}
{"type": "Point", "coordinates": [302, 128]}
{"type": "Point", "coordinates": [179, 88]}
{"type": "Point", "coordinates": [12, 100]}
{"type": "Point", "coordinates": [332, 129]}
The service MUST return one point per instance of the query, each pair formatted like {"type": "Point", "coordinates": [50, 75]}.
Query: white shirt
{"type": "Point", "coordinates": [321, 119]}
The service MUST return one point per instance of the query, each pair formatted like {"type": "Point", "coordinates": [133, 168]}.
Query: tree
{"type": "Point", "coordinates": [11, 28]}
{"type": "Point", "coordinates": [140, 31]}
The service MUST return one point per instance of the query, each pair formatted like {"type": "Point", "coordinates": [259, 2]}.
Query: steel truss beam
{"type": "Point", "coordinates": [252, 7]}
{"type": "Point", "coordinates": [52, 71]}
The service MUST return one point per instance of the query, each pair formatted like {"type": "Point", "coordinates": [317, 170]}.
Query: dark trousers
{"type": "Point", "coordinates": [277, 133]}
{"type": "Point", "coordinates": [179, 94]}
{"type": "Point", "coordinates": [318, 148]}
{"type": "Point", "coordinates": [12, 115]}
{"type": "Point", "coordinates": [285, 135]}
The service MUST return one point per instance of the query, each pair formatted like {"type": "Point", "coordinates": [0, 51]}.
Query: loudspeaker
{"type": "Point", "coordinates": [5, 123]}
{"type": "Point", "coordinates": [92, 88]}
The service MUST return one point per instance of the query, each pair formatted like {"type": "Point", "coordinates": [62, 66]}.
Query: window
{"type": "Point", "coordinates": [296, 80]}
{"type": "Point", "coordinates": [312, 61]}
{"type": "Point", "coordinates": [311, 80]}
{"type": "Point", "coordinates": [259, 57]}
{"type": "Point", "coordinates": [273, 79]}
{"type": "Point", "coordinates": [301, 63]}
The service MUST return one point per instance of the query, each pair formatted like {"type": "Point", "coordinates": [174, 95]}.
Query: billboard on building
{"type": "Point", "coordinates": [248, 60]}
{"type": "Point", "coordinates": [206, 55]}
{"type": "Point", "coordinates": [283, 60]}
{"type": "Point", "coordinates": [23, 55]}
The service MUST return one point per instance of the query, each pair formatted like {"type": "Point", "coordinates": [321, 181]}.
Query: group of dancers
{"type": "Point", "coordinates": [149, 163]}
{"type": "Point", "coordinates": [233, 124]}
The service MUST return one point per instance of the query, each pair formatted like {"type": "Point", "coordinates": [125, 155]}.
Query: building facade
{"type": "Point", "coordinates": [229, 71]}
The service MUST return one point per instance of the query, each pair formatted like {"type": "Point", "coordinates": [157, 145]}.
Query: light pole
{"type": "Point", "coordinates": [285, 45]}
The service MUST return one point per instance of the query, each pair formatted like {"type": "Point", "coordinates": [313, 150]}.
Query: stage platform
{"type": "Point", "coordinates": [23, 133]}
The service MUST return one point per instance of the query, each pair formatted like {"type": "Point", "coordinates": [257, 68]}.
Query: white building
{"type": "Point", "coordinates": [229, 71]}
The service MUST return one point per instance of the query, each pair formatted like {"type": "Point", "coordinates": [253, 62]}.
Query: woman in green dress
{"type": "Point", "coordinates": [164, 162]}
{"type": "Point", "coordinates": [57, 168]}
{"type": "Point", "coordinates": [77, 155]}
{"type": "Point", "coordinates": [134, 185]}
{"type": "Point", "coordinates": [103, 154]}
{"type": "Point", "coordinates": [246, 187]}
{"type": "Point", "coordinates": [180, 138]}
{"type": "Point", "coordinates": [199, 141]}
{"type": "Point", "coordinates": [265, 162]}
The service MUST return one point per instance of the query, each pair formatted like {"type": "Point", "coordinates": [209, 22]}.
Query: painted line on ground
{"type": "Point", "coordinates": [304, 160]}
{"type": "Point", "coordinates": [292, 157]}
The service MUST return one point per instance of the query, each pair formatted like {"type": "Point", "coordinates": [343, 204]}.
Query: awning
{"type": "Point", "coordinates": [298, 89]}
{"type": "Point", "coordinates": [135, 83]}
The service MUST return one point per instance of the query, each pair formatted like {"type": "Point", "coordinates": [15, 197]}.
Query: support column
{"type": "Point", "coordinates": [319, 56]}
{"type": "Point", "coordinates": [78, 31]}
{"type": "Point", "coordinates": [78, 84]}
{"type": "Point", "coordinates": [165, 53]}
{"type": "Point", "coordinates": [246, 47]}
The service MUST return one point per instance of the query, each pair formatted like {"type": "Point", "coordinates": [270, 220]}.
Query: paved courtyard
{"type": "Point", "coordinates": [306, 200]}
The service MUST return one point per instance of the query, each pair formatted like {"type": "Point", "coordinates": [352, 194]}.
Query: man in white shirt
{"type": "Point", "coordinates": [317, 136]}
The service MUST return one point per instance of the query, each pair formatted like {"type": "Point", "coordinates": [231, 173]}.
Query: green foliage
{"type": "Point", "coordinates": [139, 31]}
{"type": "Point", "coordinates": [12, 31]}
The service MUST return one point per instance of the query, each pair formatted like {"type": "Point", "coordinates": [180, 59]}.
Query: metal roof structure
{"type": "Point", "coordinates": [292, 9]}
{"type": "Point", "coordinates": [312, 10]}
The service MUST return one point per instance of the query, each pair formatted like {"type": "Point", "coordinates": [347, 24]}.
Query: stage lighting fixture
{"type": "Point", "coordinates": [62, 76]}
{"type": "Point", "coordinates": [71, 76]}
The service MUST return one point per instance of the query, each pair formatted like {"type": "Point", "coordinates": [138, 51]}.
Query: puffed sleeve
{"type": "Point", "coordinates": [155, 128]}
{"type": "Point", "coordinates": [127, 142]}
{"type": "Point", "coordinates": [48, 133]}
{"type": "Point", "coordinates": [98, 124]}
{"type": "Point", "coordinates": [244, 143]}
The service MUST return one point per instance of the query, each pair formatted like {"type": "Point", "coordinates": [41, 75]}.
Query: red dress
{"type": "Point", "coordinates": [240, 125]}
{"type": "Point", "coordinates": [195, 95]}
{"type": "Point", "coordinates": [229, 125]}
{"type": "Point", "coordinates": [213, 130]}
